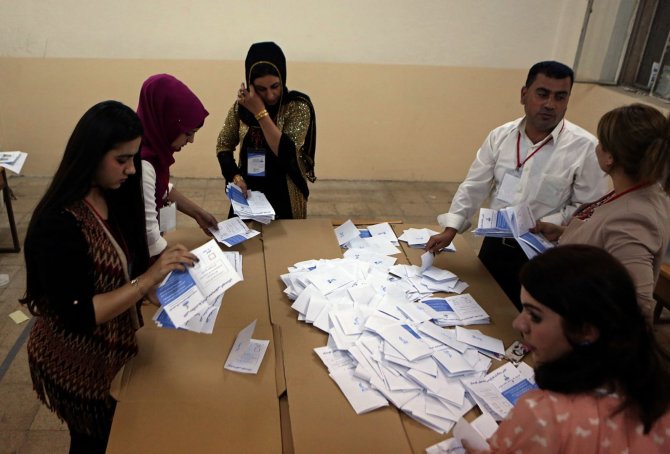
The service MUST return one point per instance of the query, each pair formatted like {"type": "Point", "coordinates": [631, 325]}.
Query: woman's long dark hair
{"type": "Point", "coordinates": [586, 286]}
{"type": "Point", "coordinates": [102, 128]}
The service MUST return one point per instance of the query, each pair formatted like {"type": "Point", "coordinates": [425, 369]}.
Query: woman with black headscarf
{"type": "Point", "coordinates": [276, 131]}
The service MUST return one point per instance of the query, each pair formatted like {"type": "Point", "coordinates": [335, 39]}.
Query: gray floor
{"type": "Point", "coordinates": [26, 426]}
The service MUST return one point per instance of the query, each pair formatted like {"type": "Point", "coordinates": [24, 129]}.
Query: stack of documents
{"type": "Point", "coordinates": [232, 231]}
{"type": "Point", "coordinates": [512, 222]}
{"type": "Point", "coordinates": [385, 347]}
{"type": "Point", "coordinates": [255, 206]}
{"type": "Point", "coordinates": [191, 299]}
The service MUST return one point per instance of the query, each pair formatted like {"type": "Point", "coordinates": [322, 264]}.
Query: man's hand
{"type": "Point", "coordinates": [441, 240]}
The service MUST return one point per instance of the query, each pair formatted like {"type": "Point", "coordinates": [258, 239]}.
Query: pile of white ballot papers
{"type": "Point", "coordinates": [512, 222]}
{"type": "Point", "coordinates": [255, 206]}
{"type": "Point", "coordinates": [191, 299]}
{"type": "Point", "coordinates": [386, 344]}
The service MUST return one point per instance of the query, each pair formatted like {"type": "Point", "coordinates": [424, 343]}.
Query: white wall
{"type": "Point", "coordinates": [466, 33]}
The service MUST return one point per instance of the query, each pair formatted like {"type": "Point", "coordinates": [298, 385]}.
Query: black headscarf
{"type": "Point", "coordinates": [271, 54]}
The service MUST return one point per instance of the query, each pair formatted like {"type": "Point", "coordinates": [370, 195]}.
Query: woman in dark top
{"type": "Point", "coordinates": [276, 131]}
{"type": "Point", "coordinates": [87, 272]}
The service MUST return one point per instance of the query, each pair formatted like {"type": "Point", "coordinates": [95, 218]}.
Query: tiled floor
{"type": "Point", "coordinates": [26, 426]}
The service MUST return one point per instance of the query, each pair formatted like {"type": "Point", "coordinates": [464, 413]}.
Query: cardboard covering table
{"type": "Point", "coordinates": [175, 395]}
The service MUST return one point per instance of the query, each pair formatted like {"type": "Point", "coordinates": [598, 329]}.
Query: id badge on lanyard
{"type": "Point", "coordinates": [256, 162]}
{"type": "Point", "coordinates": [168, 217]}
{"type": "Point", "coordinates": [509, 186]}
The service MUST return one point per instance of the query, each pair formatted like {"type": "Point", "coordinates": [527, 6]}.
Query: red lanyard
{"type": "Point", "coordinates": [587, 212]}
{"type": "Point", "coordinates": [520, 164]}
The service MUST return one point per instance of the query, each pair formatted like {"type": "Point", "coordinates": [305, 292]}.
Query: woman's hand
{"type": "Point", "coordinates": [552, 232]}
{"type": "Point", "coordinates": [240, 183]}
{"type": "Point", "coordinates": [206, 220]}
{"type": "Point", "coordinates": [175, 257]}
{"type": "Point", "coordinates": [250, 100]}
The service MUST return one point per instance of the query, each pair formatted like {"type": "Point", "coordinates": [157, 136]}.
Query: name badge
{"type": "Point", "coordinates": [509, 186]}
{"type": "Point", "coordinates": [256, 163]}
{"type": "Point", "coordinates": [168, 218]}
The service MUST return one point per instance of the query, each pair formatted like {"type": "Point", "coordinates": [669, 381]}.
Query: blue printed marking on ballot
{"type": "Point", "coordinates": [439, 305]}
{"type": "Point", "coordinates": [178, 283]}
{"type": "Point", "coordinates": [518, 390]}
{"type": "Point", "coordinates": [235, 239]}
{"type": "Point", "coordinates": [411, 331]}
{"type": "Point", "coordinates": [237, 196]}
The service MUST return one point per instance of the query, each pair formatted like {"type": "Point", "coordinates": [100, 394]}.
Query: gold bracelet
{"type": "Point", "coordinates": [237, 178]}
{"type": "Point", "coordinates": [263, 113]}
{"type": "Point", "coordinates": [136, 284]}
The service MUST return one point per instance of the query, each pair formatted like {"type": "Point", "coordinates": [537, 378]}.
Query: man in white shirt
{"type": "Point", "coordinates": [541, 159]}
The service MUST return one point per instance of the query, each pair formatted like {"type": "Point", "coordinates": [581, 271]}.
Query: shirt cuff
{"type": "Point", "coordinates": [454, 221]}
{"type": "Point", "coordinates": [158, 247]}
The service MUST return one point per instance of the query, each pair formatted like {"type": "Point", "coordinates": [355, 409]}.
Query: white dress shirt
{"type": "Point", "coordinates": [155, 240]}
{"type": "Point", "coordinates": [560, 176]}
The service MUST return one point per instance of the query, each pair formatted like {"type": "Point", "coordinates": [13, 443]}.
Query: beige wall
{"type": "Point", "coordinates": [391, 122]}
{"type": "Point", "coordinates": [403, 90]}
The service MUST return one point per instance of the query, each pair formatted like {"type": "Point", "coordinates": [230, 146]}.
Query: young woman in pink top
{"type": "Point", "coordinates": [604, 387]}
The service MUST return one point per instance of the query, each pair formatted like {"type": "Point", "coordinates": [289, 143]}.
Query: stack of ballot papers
{"type": "Point", "coordinates": [255, 207]}
{"type": "Point", "coordinates": [512, 222]}
{"type": "Point", "coordinates": [386, 345]}
{"type": "Point", "coordinates": [191, 299]}
{"type": "Point", "coordinates": [232, 231]}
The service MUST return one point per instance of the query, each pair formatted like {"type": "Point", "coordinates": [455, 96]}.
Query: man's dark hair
{"type": "Point", "coordinates": [552, 69]}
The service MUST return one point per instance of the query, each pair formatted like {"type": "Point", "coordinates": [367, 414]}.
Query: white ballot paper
{"type": "Point", "coordinates": [346, 232]}
{"type": "Point", "coordinates": [247, 353]}
{"type": "Point", "coordinates": [464, 431]}
{"type": "Point", "coordinates": [232, 231]}
{"type": "Point", "coordinates": [482, 342]}
{"type": "Point", "coordinates": [13, 160]}
{"type": "Point", "coordinates": [358, 392]}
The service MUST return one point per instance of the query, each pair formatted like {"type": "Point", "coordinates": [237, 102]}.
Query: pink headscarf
{"type": "Point", "coordinates": [167, 109]}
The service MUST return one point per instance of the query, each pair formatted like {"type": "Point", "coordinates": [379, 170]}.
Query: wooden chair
{"type": "Point", "coordinates": [7, 196]}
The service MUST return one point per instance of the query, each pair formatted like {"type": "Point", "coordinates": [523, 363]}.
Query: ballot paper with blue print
{"type": "Point", "coordinates": [255, 206]}
{"type": "Point", "coordinates": [513, 222]}
{"type": "Point", "coordinates": [190, 299]}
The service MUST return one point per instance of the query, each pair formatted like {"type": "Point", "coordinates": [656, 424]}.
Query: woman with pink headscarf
{"type": "Point", "coordinates": [171, 115]}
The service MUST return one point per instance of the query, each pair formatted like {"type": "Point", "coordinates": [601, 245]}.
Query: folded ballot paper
{"type": "Point", "coordinates": [255, 206]}
{"type": "Point", "coordinates": [513, 222]}
{"type": "Point", "coordinates": [191, 299]}
{"type": "Point", "coordinates": [475, 434]}
{"type": "Point", "coordinates": [247, 354]}
{"type": "Point", "coordinates": [232, 231]}
{"type": "Point", "coordinates": [385, 343]}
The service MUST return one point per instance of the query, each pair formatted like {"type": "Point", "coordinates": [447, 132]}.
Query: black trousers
{"type": "Point", "coordinates": [503, 258]}
{"type": "Point", "coordinates": [82, 443]}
